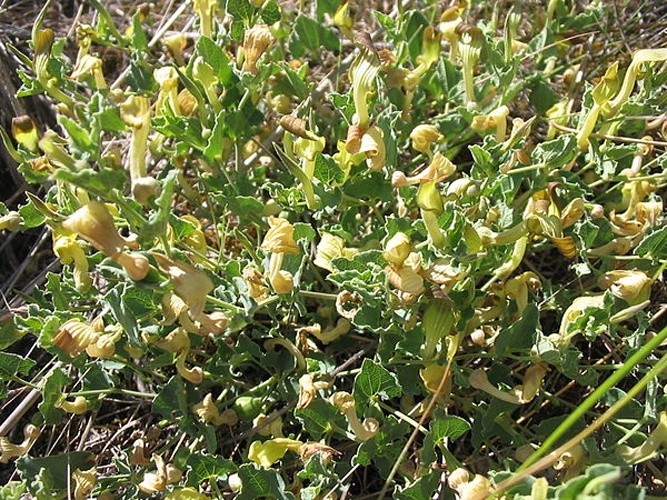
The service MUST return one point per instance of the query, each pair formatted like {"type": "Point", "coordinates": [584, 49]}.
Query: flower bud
{"type": "Point", "coordinates": [24, 132]}
{"type": "Point", "coordinates": [437, 323]}
{"type": "Point", "coordinates": [397, 249]}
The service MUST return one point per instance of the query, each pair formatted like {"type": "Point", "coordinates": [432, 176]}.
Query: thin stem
{"type": "Point", "coordinates": [597, 394]}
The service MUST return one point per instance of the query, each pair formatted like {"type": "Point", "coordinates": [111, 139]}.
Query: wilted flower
{"type": "Point", "coordinates": [631, 286]}
{"type": "Point", "coordinates": [255, 281]}
{"type": "Point", "coordinates": [208, 412]}
{"type": "Point", "coordinates": [255, 42]}
{"type": "Point", "coordinates": [571, 461]}
{"type": "Point", "coordinates": [164, 475]}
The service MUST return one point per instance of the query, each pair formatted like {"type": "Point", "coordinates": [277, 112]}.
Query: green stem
{"type": "Point", "coordinates": [545, 462]}
{"type": "Point", "coordinates": [106, 392]}
{"type": "Point", "coordinates": [225, 305]}
{"type": "Point", "coordinates": [600, 391]}
{"type": "Point", "coordinates": [431, 222]}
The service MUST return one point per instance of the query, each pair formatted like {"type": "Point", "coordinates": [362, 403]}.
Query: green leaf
{"type": "Point", "coordinates": [654, 245]}
{"type": "Point", "coordinates": [320, 418]}
{"type": "Point", "coordinates": [521, 335]}
{"type": "Point", "coordinates": [205, 467]}
{"type": "Point", "coordinates": [373, 382]}
{"type": "Point", "coordinates": [172, 401]}
{"type": "Point", "coordinates": [52, 393]}
{"type": "Point", "coordinates": [13, 490]}
{"type": "Point", "coordinates": [59, 467]}
{"type": "Point", "coordinates": [558, 152]}
{"type": "Point", "coordinates": [97, 181]}
{"type": "Point", "coordinates": [13, 364]}
{"type": "Point", "coordinates": [303, 231]}
{"type": "Point", "coordinates": [271, 12]}
{"type": "Point", "coordinates": [79, 134]}
{"type": "Point", "coordinates": [261, 483]}
{"type": "Point", "coordinates": [309, 35]}
{"type": "Point", "coordinates": [246, 207]}
{"type": "Point", "coordinates": [216, 58]}
{"type": "Point", "coordinates": [422, 488]}
{"type": "Point", "coordinates": [240, 9]}
{"type": "Point", "coordinates": [328, 171]}
{"type": "Point", "coordinates": [9, 333]}
{"type": "Point", "coordinates": [236, 30]}
{"type": "Point", "coordinates": [448, 427]}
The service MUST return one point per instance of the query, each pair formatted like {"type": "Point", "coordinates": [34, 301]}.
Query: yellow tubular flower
{"type": "Point", "coordinates": [176, 44]}
{"type": "Point", "coordinates": [449, 20]}
{"type": "Point", "coordinates": [85, 481]}
{"type": "Point", "coordinates": [74, 336]}
{"type": "Point", "coordinates": [94, 223]}
{"type": "Point", "coordinates": [167, 79]}
{"type": "Point", "coordinates": [363, 73]}
{"type": "Point", "coordinates": [424, 136]}
{"type": "Point", "coordinates": [601, 94]}
{"type": "Point", "coordinates": [638, 59]}
{"type": "Point", "coordinates": [9, 450]}
{"type": "Point", "coordinates": [363, 431]}
{"type": "Point", "coordinates": [633, 287]}
{"type": "Point", "coordinates": [266, 453]}
{"type": "Point", "coordinates": [279, 240]}
{"type": "Point", "coordinates": [69, 251]}
{"type": "Point", "coordinates": [136, 114]}
{"type": "Point", "coordinates": [90, 66]}
{"type": "Point", "coordinates": [397, 249]}
{"type": "Point", "coordinates": [204, 10]}
{"type": "Point", "coordinates": [497, 119]}
{"type": "Point", "coordinates": [77, 407]}
{"type": "Point", "coordinates": [471, 41]}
